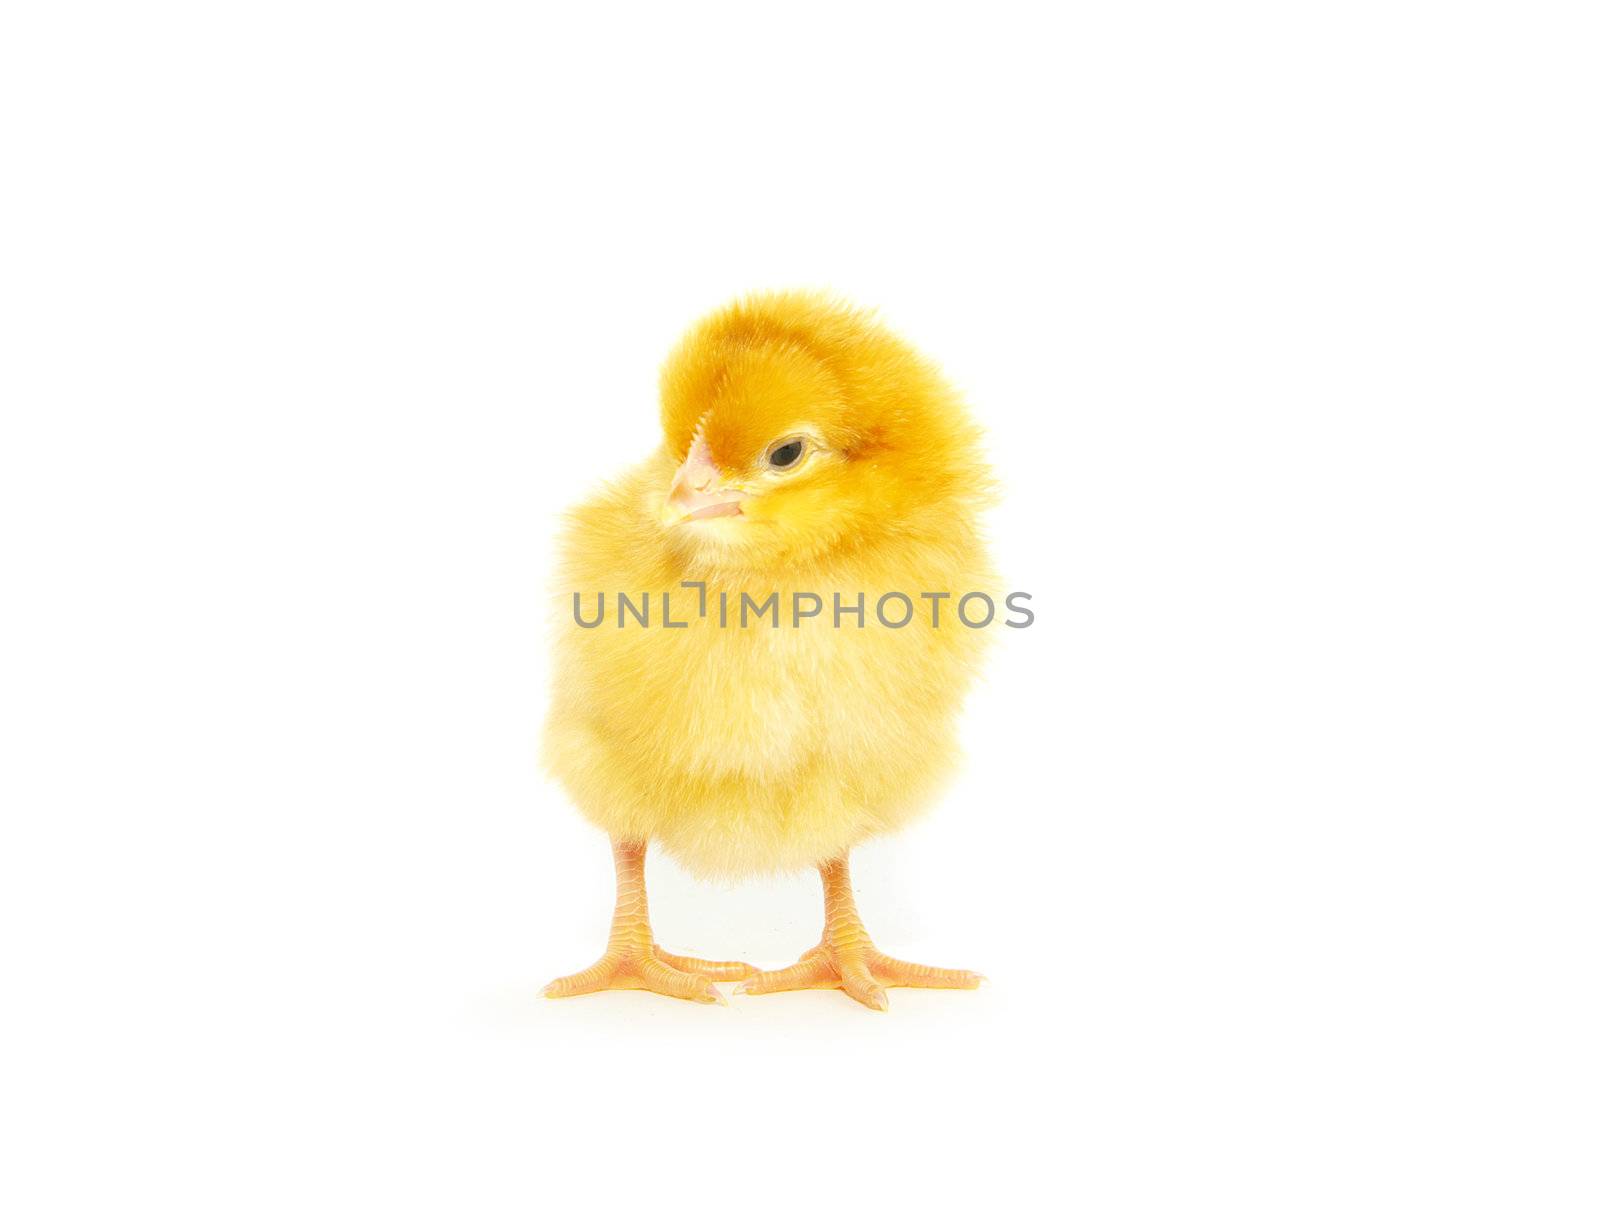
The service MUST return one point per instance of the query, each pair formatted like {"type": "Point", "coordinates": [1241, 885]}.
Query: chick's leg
{"type": "Point", "coordinates": [847, 959]}
{"type": "Point", "coordinates": [632, 959]}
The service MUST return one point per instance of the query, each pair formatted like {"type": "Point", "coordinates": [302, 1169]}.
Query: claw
{"type": "Point", "coordinates": [872, 998]}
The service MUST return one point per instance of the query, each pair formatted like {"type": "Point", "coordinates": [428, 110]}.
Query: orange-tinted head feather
{"type": "Point", "coordinates": [888, 448]}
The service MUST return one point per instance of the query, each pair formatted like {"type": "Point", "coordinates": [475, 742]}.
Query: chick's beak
{"type": "Point", "coordinates": [699, 491]}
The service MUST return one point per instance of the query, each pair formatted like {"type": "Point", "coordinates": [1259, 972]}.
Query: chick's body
{"type": "Point", "coordinates": [812, 457]}
{"type": "Point", "coordinates": [748, 748]}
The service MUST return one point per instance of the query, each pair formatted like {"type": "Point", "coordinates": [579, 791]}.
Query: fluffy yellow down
{"type": "Point", "coordinates": [744, 750]}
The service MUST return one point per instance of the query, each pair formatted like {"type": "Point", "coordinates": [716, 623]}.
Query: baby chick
{"type": "Point", "coordinates": [810, 453]}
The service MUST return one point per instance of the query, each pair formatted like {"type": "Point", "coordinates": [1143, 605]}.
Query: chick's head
{"type": "Point", "coordinates": [801, 427]}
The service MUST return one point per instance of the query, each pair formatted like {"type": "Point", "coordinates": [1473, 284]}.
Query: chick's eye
{"type": "Point", "coordinates": [787, 454]}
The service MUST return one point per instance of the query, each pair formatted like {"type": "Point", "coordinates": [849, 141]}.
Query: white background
{"type": "Point", "coordinates": [1276, 834]}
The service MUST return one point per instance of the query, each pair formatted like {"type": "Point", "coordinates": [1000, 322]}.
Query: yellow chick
{"type": "Point", "coordinates": [750, 699]}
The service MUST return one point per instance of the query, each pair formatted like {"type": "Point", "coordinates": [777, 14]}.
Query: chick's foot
{"type": "Point", "coordinates": [633, 960]}
{"type": "Point", "coordinates": [864, 972]}
{"type": "Point", "coordinates": [653, 970]}
{"type": "Point", "coordinates": [847, 959]}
